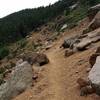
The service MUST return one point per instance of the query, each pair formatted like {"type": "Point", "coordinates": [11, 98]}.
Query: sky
{"type": "Point", "coordinates": [9, 6]}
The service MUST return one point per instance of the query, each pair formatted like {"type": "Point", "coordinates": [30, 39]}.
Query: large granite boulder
{"type": "Point", "coordinates": [94, 76]}
{"type": "Point", "coordinates": [19, 81]}
{"type": "Point", "coordinates": [83, 41]}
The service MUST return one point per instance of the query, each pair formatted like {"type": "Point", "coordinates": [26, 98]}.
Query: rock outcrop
{"type": "Point", "coordinates": [19, 81]}
{"type": "Point", "coordinates": [81, 42]}
{"type": "Point", "coordinates": [92, 37]}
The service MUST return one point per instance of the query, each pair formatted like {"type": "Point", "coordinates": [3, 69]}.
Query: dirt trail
{"type": "Point", "coordinates": [63, 73]}
{"type": "Point", "coordinates": [58, 79]}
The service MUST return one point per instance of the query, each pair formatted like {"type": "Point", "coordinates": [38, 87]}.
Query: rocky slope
{"type": "Point", "coordinates": [57, 72]}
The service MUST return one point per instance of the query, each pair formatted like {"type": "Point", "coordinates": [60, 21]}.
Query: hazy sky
{"type": "Point", "coordinates": [10, 6]}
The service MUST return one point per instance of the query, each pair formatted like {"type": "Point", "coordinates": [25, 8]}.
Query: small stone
{"type": "Point", "coordinates": [77, 72]}
{"type": "Point", "coordinates": [83, 82]}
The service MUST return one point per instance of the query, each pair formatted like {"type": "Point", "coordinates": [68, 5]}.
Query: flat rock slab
{"type": "Point", "coordinates": [92, 37]}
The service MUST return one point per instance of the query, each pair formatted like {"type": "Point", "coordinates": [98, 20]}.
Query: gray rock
{"type": "Point", "coordinates": [82, 42]}
{"type": "Point", "coordinates": [92, 37]}
{"type": "Point", "coordinates": [94, 76]}
{"type": "Point", "coordinates": [68, 43]}
{"type": "Point", "coordinates": [19, 81]}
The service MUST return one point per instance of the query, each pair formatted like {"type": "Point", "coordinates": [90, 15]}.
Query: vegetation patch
{"type": "Point", "coordinates": [4, 51]}
{"type": "Point", "coordinates": [76, 15]}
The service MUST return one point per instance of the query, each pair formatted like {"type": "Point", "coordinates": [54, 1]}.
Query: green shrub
{"type": "Point", "coordinates": [4, 51]}
{"type": "Point", "coordinates": [76, 15]}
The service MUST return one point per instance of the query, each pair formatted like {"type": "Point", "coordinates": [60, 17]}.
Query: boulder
{"type": "Point", "coordinates": [19, 81]}
{"type": "Point", "coordinates": [68, 43]}
{"type": "Point", "coordinates": [83, 41]}
{"type": "Point", "coordinates": [83, 44]}
{"type": "Point", "coordinates": [92, 37]}
{"type": "Point", "coordinates": [35, 58]}
{"type": "Point", "coordinates": [94, 76]}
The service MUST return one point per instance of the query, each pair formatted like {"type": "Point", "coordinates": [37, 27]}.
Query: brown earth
{"type": "Point", "coordinates": [58, 79]}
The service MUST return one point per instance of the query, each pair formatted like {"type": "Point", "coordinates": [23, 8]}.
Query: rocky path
{"type": "Point", "coordinates": [57, 80]}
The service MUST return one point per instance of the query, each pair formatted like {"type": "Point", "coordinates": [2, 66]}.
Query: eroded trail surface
{"type": "Point", "coordinates": [57, 80]}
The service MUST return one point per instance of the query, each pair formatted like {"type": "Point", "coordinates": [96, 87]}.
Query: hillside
{"type": "Point", "coordinates": [19, 24]}
{"type": "Point", "coordinates": [56, 59]}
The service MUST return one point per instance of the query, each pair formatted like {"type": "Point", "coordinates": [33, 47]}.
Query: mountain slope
{"type": "Point", "coordinates": [17, 25]}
